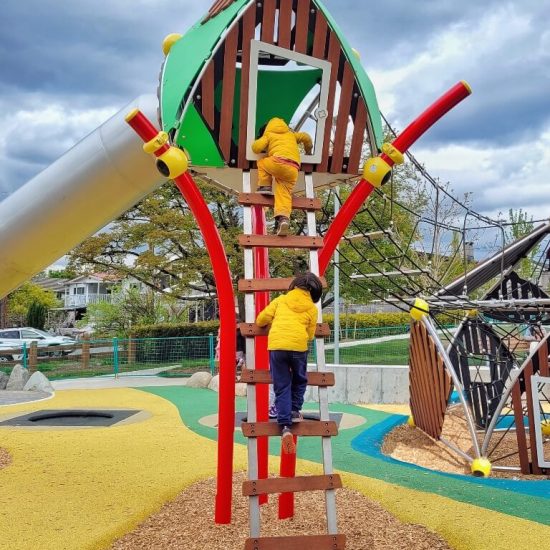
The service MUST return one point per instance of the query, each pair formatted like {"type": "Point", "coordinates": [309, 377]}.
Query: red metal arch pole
{"type": "Point", "coordinates": [228, 321]}
{"type": "Point", "coordinates": [363, 189]}
{"type": "Point", "coordinates": [352, 205]}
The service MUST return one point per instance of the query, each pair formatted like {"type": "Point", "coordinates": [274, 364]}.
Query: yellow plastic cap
{"type": "Point", "coordinates": [356, 53]}
{"type": "Point", "coordinates": [420, 309]}
{"type": "Point", "coordinates": [131, 115]}
{"type": "Point", "coordinates": [481, 467]}
{"type": "Point", "coordinates": [172, 163]}
{"type": "Point", "coordinates": [395, 154]}
{"type": "Point", "coordinates": [376, 171]}
{"type": "Point", "coordinates": [169, 41]}
{"type": "Point", "coordinates": [410, 422]}
{"type": "Point", "coordinates": [545, 427]}
{"type": "Point", "coordinates": [467, 86]}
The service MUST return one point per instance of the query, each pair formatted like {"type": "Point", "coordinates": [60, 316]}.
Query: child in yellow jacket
{"type": "Point", "coordinates": [293, 318]}
{"type": "Point", "coordinates": [282, 163]}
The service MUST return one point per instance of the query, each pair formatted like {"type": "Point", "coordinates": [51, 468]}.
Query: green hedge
{"type": "Point", "coordinates": [165, 330]}
{"type": "Point", "coordinates": [369, 320]}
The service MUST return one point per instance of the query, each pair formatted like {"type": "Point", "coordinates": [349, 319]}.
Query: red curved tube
{"type": "Point", "coordinates": [402, 143]}
{"type": "Point", "coordinates": [228, 330]}
{"type": "Point", "coordinates": [228, 321]}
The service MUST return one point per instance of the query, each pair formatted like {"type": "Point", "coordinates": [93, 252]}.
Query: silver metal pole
{"type": "Point", "coordinates": [101, 177]}
{"type": "Point", "coordinates": [336, 290]}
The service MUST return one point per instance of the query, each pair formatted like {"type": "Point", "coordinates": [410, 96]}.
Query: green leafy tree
{"type": "Point", "coordinates": [20, 301]}
{"type": "Point", "coordinates": [36, 315]}
{"type": "Point", "coordinates": [520, 226]}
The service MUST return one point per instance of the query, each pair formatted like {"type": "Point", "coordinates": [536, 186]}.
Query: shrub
{"type": "Point", "coordinates": [165, 330]}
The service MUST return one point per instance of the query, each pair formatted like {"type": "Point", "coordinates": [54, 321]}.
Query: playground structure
{"type": "Point", "coordinates": [235, 69]}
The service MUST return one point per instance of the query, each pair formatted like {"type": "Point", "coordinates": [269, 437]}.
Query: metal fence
{"type": "Point", "coordinates": [183, 356]}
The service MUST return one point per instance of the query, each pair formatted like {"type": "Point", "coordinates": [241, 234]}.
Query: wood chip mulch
{"type": "Point", "coordinates": [5, 458]}
{"type": "Point", "coordinates": [187, 523]}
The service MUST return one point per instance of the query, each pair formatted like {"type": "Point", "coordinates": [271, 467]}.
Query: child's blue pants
{"type": "Point", "coordinates": [288, 371]}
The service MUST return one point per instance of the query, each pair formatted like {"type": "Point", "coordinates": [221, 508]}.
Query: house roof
{"type": "Point", "coordinates": [51, 283]}
{"type": "Point", "coordinates": [96, 278]}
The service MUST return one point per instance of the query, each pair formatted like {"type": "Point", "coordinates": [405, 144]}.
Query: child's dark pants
{"type": "Point", "coordinates": [288, 370]}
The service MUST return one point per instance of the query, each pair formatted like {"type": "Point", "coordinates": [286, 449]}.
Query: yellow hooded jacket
{"type": "Point", "coordinates": [280, 141]}
{"type": "Point", "coordinates": [293, 318]}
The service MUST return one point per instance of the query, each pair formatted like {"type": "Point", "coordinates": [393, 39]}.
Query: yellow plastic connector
{"type": "Point", "coordinates": [156, 143]}
{"type": "Point", "coordinates": [169, 41]}
{"type": "Point", "coordinates": [472, 313]}
{"type": "Point", "coordinates": [420, 309]}
{"type": "Point", "coordinates": [411, 422]}
{"type": "Point", "coordinates": [481, 467]}
{"type": "Point", "coordinates": [172, 163]}
{"type": "Point", "coordinates": [376, 171]}
{"type": "Point", "coordinates": [395, 154]}
{"type": "Point", "coordinates": [545, 427]}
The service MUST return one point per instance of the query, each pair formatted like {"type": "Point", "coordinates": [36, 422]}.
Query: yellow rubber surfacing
{"type": "Point", "coordinates": [84, 488]}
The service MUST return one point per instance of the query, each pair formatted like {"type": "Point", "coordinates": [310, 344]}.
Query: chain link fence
{"type": "Point", "coordinates": [183, 356]}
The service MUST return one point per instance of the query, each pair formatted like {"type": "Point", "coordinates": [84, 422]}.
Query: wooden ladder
{"type": "Point", "coordinates": [252, 429]}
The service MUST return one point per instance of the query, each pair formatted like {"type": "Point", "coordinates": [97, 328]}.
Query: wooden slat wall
{"type": "Point", "coordinates": [342, 120]}
{"type": "Point", "coordinates": [302, 26]}
{"type": "Point", "coordinates": [228, 93]}
{"type": "Point", "coordinates": [248, 28]}
{"type": "Point", "coordinates": [325, 45]}
{"type": "Point", "coordinates": [429, 382]}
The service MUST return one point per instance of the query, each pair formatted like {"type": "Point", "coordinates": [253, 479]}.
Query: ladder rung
{"type": "Point", "coordinates": [274, 485]}
{"type": "Point", "coordinates": [252, 329]}
{"type": "Point", "coordinates": [274, 241]}
{"type": "Point", "coordinates": [259, 285]}
{"type": "Point", "coordinates": [304, 542]}
{"type": "Point", "coordinates": [257, 376]}
{"type": "Point", "coordinates": [324, 428]}
{"type": "Point", "coordinates": [298, 203]}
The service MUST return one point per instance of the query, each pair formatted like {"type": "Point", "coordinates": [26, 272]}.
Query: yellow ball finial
{"type": "Point", "coordinates": [545, 427]}
{"type": "Point", "coordinates": [481, 467]}
{"type": "Point", "coordinates": [420, 309]}
{"type": "Point", "coordinates": [169, 41]}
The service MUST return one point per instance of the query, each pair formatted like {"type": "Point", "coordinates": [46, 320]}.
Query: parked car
{"type": "Point", "coordinates": [15, 337]}
{"type": "Point", "coordinates": [12, 354]}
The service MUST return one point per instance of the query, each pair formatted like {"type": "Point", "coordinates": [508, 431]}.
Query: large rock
{"type": "Point", "coordinates": [3, 380]}
{"type": "Point", "coordinates": [240, 389]}
{"type": "Point", "coordinates": [199, 380]}
{"type": "Point", "coordinates": [38, 382]}
{"type": "Point", "coordinates": [18, 378]}
{"type": "Point", "coordinates": [214, 383]}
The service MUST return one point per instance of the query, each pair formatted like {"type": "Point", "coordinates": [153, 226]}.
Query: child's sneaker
{"type": "Point", "coordinates": [272, 413]}
{"type": "Point", "coordinates": [283, 225]}
{"type": "Point", "coordinates": [297, 416]}
{"type": "Point", "coordinates": [287, 441]}
{"type": "Point", "coordinates": [265, 190]}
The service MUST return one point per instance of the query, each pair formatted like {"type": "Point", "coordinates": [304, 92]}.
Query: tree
{"type": "Point", "coordinates": [21, 300]}
{"type": "Point", "coordinates": [520, 226]}
{"type": "Point", "coordinates": [129, 308]}
{"type": "Point", "coordinates": [36, 315]}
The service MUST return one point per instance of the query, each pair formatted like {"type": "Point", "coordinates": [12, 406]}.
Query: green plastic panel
{"type": "Point", "coordinates": [364, 82]}
{"type": "Point", "coordinates": [187, 57]}
{"type": "Point", "coordinates": [197, 140]}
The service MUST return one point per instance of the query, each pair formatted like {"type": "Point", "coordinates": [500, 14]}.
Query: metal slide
{"type": "Point", "coordinates": [94, 182]}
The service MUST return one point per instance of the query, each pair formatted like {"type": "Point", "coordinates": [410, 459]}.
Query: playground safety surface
{"type": "Point", "coordinates": [98, 485]}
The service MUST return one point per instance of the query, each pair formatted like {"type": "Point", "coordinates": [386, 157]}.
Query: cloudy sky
{"type": "Point", "coordinates": [66, 65]}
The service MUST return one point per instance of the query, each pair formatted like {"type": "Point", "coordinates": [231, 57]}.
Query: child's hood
{"type": "Point", "coordinates": [298, 300]}
{"type": "Point", "coordinates": [277, 126]}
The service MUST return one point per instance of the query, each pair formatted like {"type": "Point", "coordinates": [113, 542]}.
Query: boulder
{"type": "Point", "coordinates": [240, 389]}
{"type": "Point", "coordinates": [214, 383]}
{"type": "Point", "coordinates": [199, 380]}
{"type": "Point", "coordinates": [38, 382]}
{"type": "Point", "coordinates": [3, 380]}
{"type": "Point", "coordinates": [18, 378]}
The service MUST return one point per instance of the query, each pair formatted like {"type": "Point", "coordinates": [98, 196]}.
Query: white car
{"type": "Point", "coordinates": [15, 337]}
{"type": "Point", "coordinates": [7, 353]}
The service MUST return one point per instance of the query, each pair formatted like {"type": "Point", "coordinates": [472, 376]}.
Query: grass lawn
{"type": "Point", "coordinates": [393, 352]}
